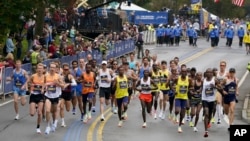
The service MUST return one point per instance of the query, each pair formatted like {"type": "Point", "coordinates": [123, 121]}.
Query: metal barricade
{"type": "Point", "coordinates": [2, 72]}
{"type": "Point", "coordinates": [149, 37]}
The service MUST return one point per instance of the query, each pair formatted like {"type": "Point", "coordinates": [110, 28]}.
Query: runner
{"type": "Point", "coordinates": [209, 97]}
{"type": "Point", "coordinates": [95, 70]}
{"type": "Point", "coordinates": [88, 80]}
{"type": "Point", "coordinates": [195, 101]}
{"type": "Point", "coordinates": [183, 84]}
{"type": "Point", "coordinates": [121, 95]}
{"type": "Point", "coordinates": [221, 75]}
{"type": "Point", "coordinates": [53, 83]}
{"type": "Point", "coordinates": [36, 94]}
{"type": "Point", "coordinates": [155, 75]}
{"type": "Point", "coordinates": [164, 87]}
{"type": "Point", "coordinates": [230, 92]}
{"type": "Point", "coordinates": [105, 76]}
{"type": "Point", "coordinates": [74, 98]}
{"type": "Point", "coordinates": [173, 78]}
{"type": "Point", "coordinates": [114, 68]}
{"type": "Point", "coordinates": [132, 63]}
{"type": "Point", "coordinates": [145, 84]}
{"type": "Point", "coordinates": [20, 77]}
{"type": "Point", "coordinates": [131, 79]}
{"type": "Point", "coordinates": [145, 66]}
{"type": "Point", "coordinates": [78, 73]}
{"type": "Point", "coordinates": [66, 96]}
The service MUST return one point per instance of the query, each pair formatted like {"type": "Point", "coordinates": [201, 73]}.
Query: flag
{"type": "Point", "coordinates": [216, 1]}
{"type": "Point", "coordinates": [238, 2]}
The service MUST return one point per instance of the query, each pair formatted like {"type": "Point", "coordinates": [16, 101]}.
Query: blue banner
{"type": "Point", "coordinates": [145, 17]}
{"type": "Point", "coordinates": [8, 85]}
{"type": "Point", "coordinates": [120, 48]}
{"type": "Point", "coordinates": [195, 1]}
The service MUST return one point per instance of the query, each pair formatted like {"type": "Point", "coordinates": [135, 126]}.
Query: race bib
{"type": "Point", "coordinates": [103, 79]}
{"type": "Point", "coordinates": [144, 87]}
{"type": "Point", "coordinates": [18, 83]}
{"type": "Point", "coordinates": [37, 89]}
{"type": "Point", "coordinates": [163, 80]}
{"type": "Point", "coordinates": [209, 91]}
{"type": "Point", "coordinates": [123, 85]}
{"type": "Point", "coordinates": [156, 80]}
{"type": "Point", "coordinates": [183, 89]}
{"type": "Point", "coordinates": [52, 89]}
{"type": "Point", "coordinates": [231, 90]}
{"type": "Point", "coordinates": [88, 84]}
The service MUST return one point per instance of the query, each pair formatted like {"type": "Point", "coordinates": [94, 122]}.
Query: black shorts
{"type": "Point", "coordinates": [67, 96]}
{"type": "Point", "coordinates": [112, 90]}
{"type": "Point", "coordinates": [53, 100]}
{"type": "Point", "coordinates": [154, 93]}
{"type": "Point", "coordinates": [195, 102]}
{"type": "Point", "coordinates": [104, 92]}
{"type": "Point", "coordinates": [36, 98]}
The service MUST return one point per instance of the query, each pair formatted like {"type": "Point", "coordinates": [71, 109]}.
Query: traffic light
{"type": "Point", "coordinates": [129, 2]}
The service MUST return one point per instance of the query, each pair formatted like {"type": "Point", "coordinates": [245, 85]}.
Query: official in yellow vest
{"type": "Point", "coordinates": [183, 83]}
{"type": "Point", "coordinates": [121, 94]}
{"type": "Point", "coordinates": [35, 57]}
{"type": "Point", "coordinates": [246, 40]}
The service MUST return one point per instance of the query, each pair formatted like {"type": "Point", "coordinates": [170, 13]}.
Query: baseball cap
{"type": "Point", "coordinates": [104, 62]}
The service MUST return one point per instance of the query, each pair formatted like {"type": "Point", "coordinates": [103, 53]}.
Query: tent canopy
{"type": "Point", "coordinates": [124, 6]}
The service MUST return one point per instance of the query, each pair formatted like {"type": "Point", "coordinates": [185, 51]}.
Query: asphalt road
{"type": "Point", "coordinates": [201, 57]}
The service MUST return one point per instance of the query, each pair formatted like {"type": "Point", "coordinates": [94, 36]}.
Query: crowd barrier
{"type": "Point", "coordinates": [121, 48]}
{"type": "Point", "coordinates": [149, 37]}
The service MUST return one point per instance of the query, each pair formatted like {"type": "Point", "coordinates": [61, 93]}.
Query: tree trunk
{"type": "Point", "coordinates": [40, 14]}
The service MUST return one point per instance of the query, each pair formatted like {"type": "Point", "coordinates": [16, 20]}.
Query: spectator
{"type": "Point", "coordinates": [19, 47]}
{"type": "Point", "coordinates": [9, 44]}
{"type": "Point", "coordinates": [57, 54]}
{"type": "Point", "coordinates": [9, 60]}
{"type": "Point", "coordinates": [27, 57]}
{"type": "Point", "coordinates": [52, 47]}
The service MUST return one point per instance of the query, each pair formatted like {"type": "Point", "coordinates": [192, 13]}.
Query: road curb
{"type": "Point", "coordinates": [245, 108]}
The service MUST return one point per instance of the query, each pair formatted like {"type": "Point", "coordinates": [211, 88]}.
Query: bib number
{"type": "Point", "coordinates": [18, 83]}
{"type": "Point", "coordinates": [156, 80]}
{"type": "Point", "coordinates": [231, 90]}
{"type": "Point", "coordinates": [183, 89]}
{"type": "Point", "coordinates": [145, 87]}
{"type": "Point", "coordinates": [209, 92]}
{"type": "Point", "coordinates": [37, 89]}
{"type": "Point", "coordinates": [104, 79]}
{"type": "Point", "coordinates": [123, 85]}
{"type": "Point", "coordinates": [88, 84]}
{"type": "Point", "coordinates": [52, 89]}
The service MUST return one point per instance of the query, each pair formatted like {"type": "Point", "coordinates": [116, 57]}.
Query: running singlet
{"type": "Point", "coordinates": [121, 87]}
{"type": "Point", "coordinates": [68, 88]}
{"type": "Point", "coordinates": [156, 79]}
{"type": "Point", "coordinates": [145, 86]}
{"type": "Point", "coordinates": [19, 78]}
{"type": "Point", "coordinates": [197, 92]}
{"type": "Point", "coordinates": [132, 65]}
{"type": "Point", "coordinates": [141, 71]}
{"type": "Point", "coordinates": [52, 90]}
{"type": "Point", "coordinates": [208, 93]}
{"type": "Point", "coordinates": [130, 81]}
{"type": "Point", "coordinates": [230, 88]}
{"type": "Point", "coordinates": [182, 88]}
{"type": "Point", "coordinates": [78, 75]}
{"type": "Point", "coordinates": [89, 83]}
{"type": "Point", "coordinates": [221, 77]}
{"type": "Point", "coordinates": [163, 79]}
{"type": "Point", "coordinates": [36, 88]}
{"type": "Point", "coordinates": [103, 76]}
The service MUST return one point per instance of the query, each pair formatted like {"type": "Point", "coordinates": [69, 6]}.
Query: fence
{"type": "Point", "coordinates": [149, 37]}
{"type": "Point", "coordinates": [120, 48]}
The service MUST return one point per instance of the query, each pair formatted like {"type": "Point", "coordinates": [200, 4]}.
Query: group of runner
{"type": "Point", "coordinates": [187, 90]}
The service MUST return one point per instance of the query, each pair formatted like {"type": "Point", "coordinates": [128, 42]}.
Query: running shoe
{"type": "Point", "coordinates": [93, 109]}
{"type": "Point", "coordinates": [188, 118]}
{"type": "Point", "coordinates": [183, 122]}
{"type": "Point", "coordinates": [74, 111]}
{"type": "Point", "coordinates": [120, 123]}
{"type": "Point", "coordinates": [47, 130]}
{"type": "Point", "coordinates": [179, 130]}
{"type": "Point", "coordinates": [206, 134]}
{"type": "Point", "coordinates": [155, 115]}
{"type": "Point", "coordinates": [82, 116]}
{"type": "Point", "coordinates": [213, 120]}
{"type": "Point", "coordinates": [63, 124]}
{"type": "Point", "coordinates": [191, 124]}
{"type": "Point", "coordinates": [115, 110]}
{"type": "Point", "coordinates": [53, 128]}
{"type": "Point", "coordinates": [124, 116]}
{"type": "Point", "coordinates": [38, 131]}
{"type": "Point", "coordinates": [85, 119]}
{"type": "Point", "coordinates": [17, 117]}
{"type": "Point", "coordinates": [89, 115]}
{"type": "Point", "coordinates": [195, 129]}
{"type": "Point", "coordinates": [102, 118]}
{"type": "Point", "coordinates": [144, 125]}
{"type": "Point", "coordinates": [219, 121]}
{"type": "Point", "coordinates": [163, 116]}
{"type": "Point", "coordinates": [160, 115]}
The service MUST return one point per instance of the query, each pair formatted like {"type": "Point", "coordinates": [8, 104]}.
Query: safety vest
{"type": "Point", "coordinates": [34, 60]}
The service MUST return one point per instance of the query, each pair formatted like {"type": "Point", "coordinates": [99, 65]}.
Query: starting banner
{"type": "Point", "coordinates": [145, 17]}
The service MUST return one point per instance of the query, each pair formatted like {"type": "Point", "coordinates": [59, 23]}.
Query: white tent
{"type": "Point", "coordinates": [132, 7]}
